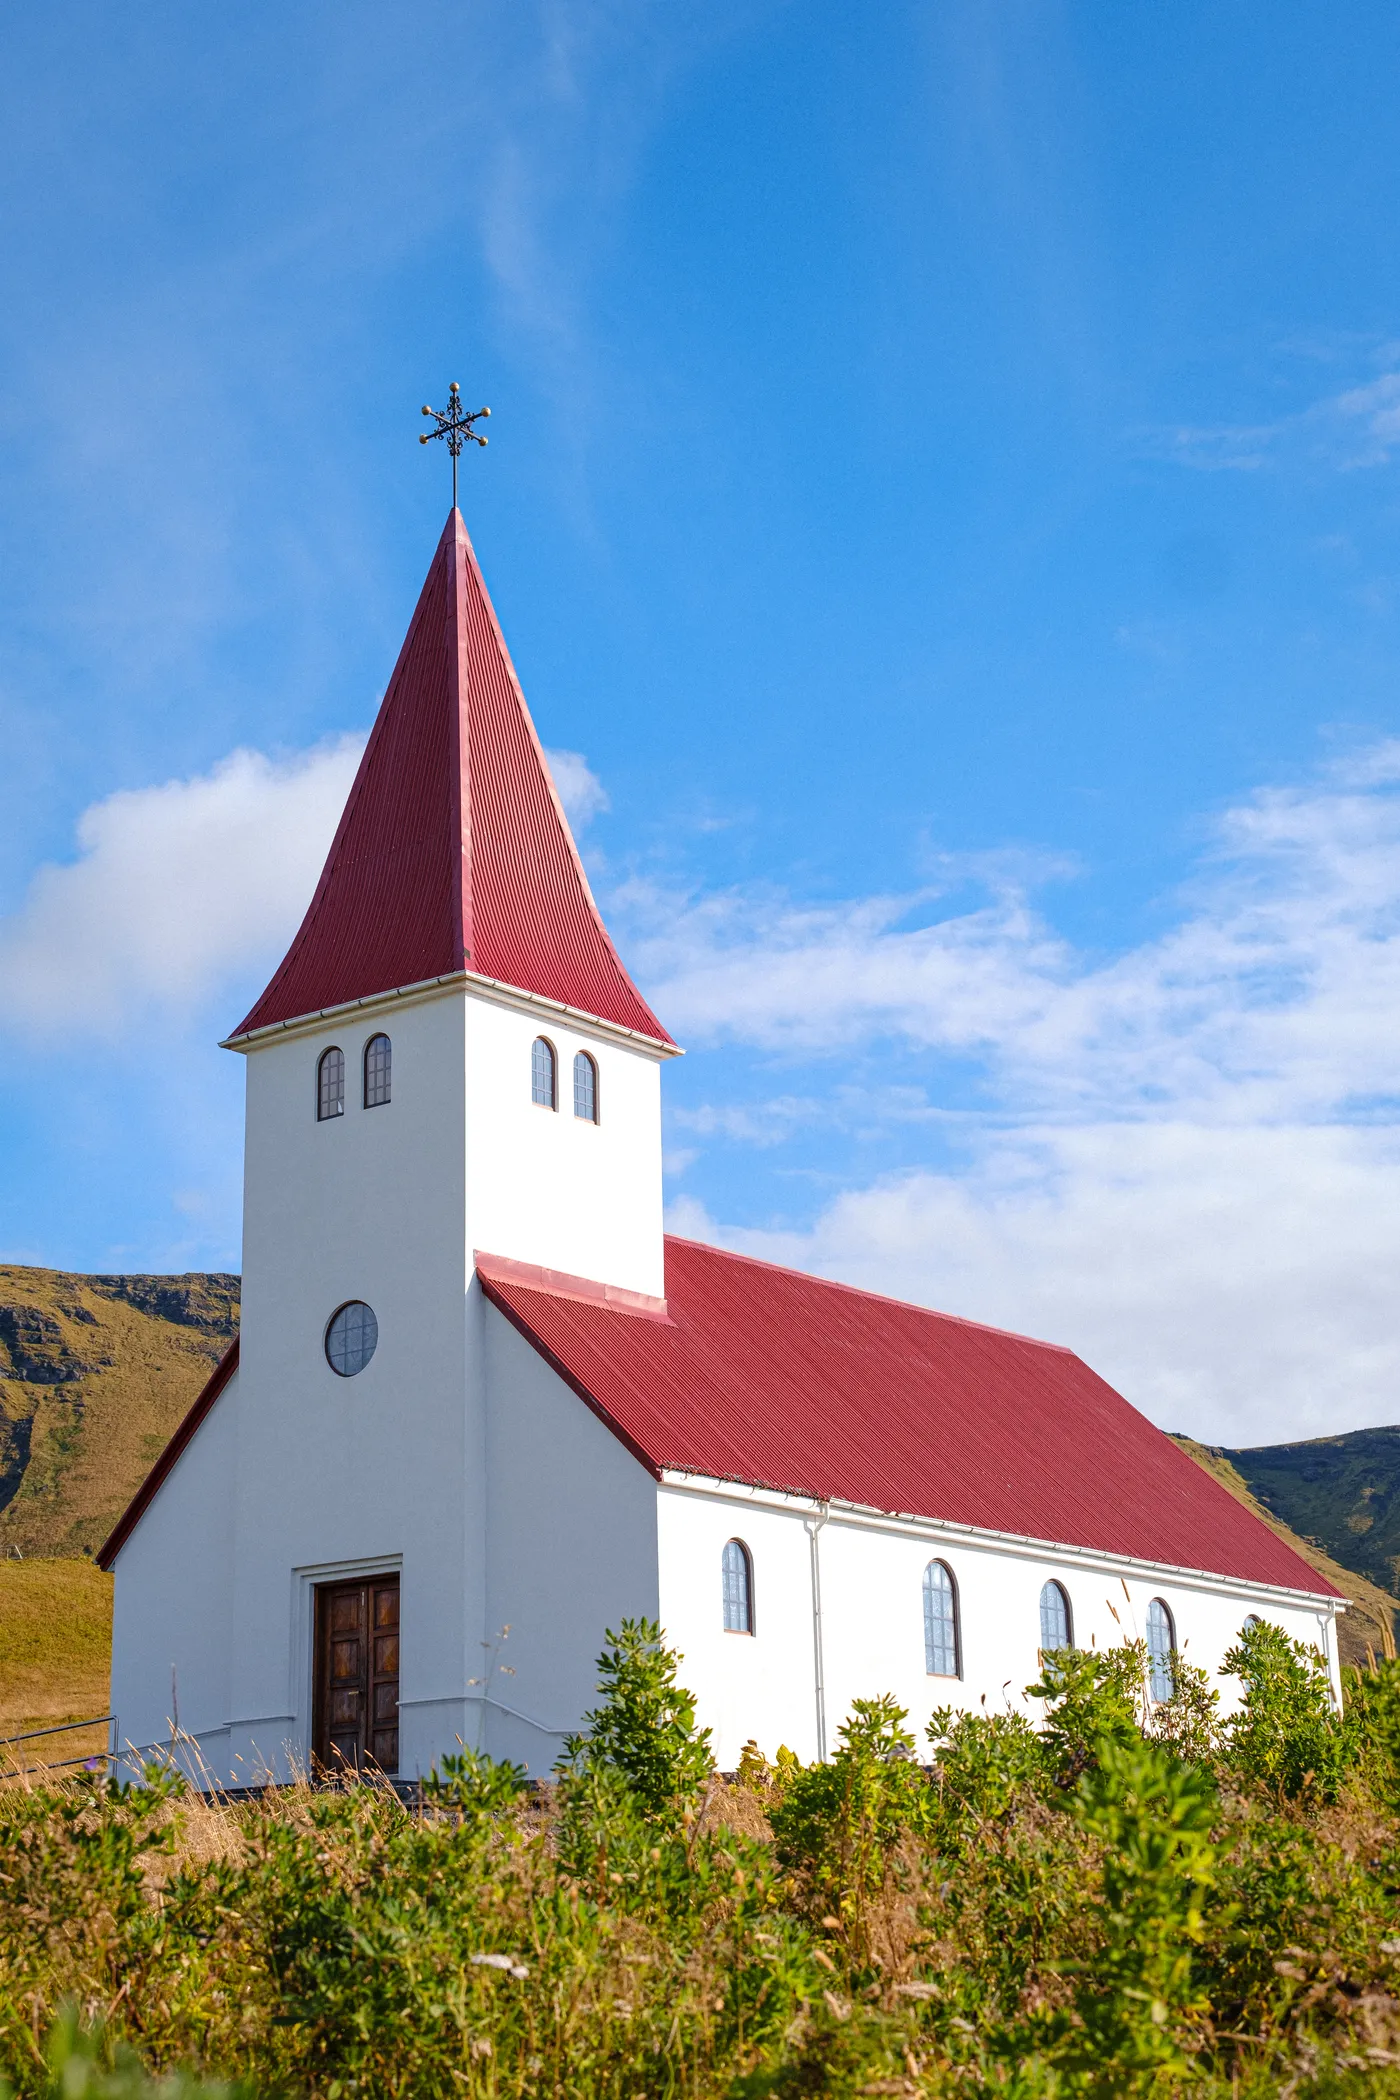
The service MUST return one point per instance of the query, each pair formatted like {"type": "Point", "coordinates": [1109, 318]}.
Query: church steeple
{"type": "Point", "coordinates": [453, 854]}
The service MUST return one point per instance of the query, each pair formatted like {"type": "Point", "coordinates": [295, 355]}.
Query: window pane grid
{"type": "Point", "coordinates": [585, 1087]}
{"type": "Point", "coordinates": [1161, 1641]}
{"type": "Point", "coordinates": [330, 1085]}
{"type": "Point", "coordinates": [940, 1621]}
{"type": "Point", "coordinates": [379, 1055]}
{"type": "Point", "coordinates": [738, 1605]}
{"type": "Point", "coordinates": [542, 1073]}
{"type": "Point", "coordinates": [351, 1339]}
{"type": "Point", "coordinates": [1054, 1619]}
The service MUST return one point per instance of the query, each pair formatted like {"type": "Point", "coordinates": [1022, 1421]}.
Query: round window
{"type": "Point", "coordinates": [351, 1338]}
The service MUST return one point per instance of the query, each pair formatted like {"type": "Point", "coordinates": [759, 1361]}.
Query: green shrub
{"type": "Point", "coordinates": [1188, 1722]}
{"type": "Point", "coordinates": [1092, 1696]}
{"type": "Point", "coordinates": [985, 1763]}
{"type": "Point", "coordinates": [837, 1825]}
{"type": "Point", "coordinates": [1045, 1916]}
{"type": "Point", "coordinates": [1373, 1702]}
{"type": "Point", "coordinates": [1287, 1739]}
{"type": "Point", "coordinates": [83, 2061]}
{"type": "Point", "coordinates": [1139, 2006]}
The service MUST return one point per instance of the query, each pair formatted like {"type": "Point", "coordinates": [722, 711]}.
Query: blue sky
{"type": "Point", "coordinates": [942, 486]}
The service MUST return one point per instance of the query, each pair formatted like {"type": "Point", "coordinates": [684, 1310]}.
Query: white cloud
{"type": "Point", "coordinates": [175, 890]}
{"type": "Point", "coordinates": [1360, 427]}
{"type": "Point", "coordinates": [579, 788]}
{"type": "Point", "coordinates": [1188, 1161]}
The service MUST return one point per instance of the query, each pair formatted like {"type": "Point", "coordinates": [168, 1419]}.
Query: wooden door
{"type": "Point", "coordinates": [356, 1710]}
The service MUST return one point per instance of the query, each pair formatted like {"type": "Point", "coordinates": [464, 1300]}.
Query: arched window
{"type": "Point", "coordinates": [379, 1065]}
{"type": "Point", "coordinates": [940, 1621]}
{"type": "Point", "coordinates": [1056, 1626]}
{"type": "Point", "coordinates": [330, 1085]}
{"type": "Point", "coordinates": [1161, 1644]}
{"type": "Point", "coordinates": [737, 1571]}
{"type": "Point", "coordinates": [543, 1088]}
{"type": "Point", "coordinates": [585, 1087]}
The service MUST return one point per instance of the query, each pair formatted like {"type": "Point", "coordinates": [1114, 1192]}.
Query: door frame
{"type": "Point", "coordinates": [305, 1583]}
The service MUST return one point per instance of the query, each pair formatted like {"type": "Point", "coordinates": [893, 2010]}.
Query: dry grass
{"type": "Point", "coordinates": [55, 1654]}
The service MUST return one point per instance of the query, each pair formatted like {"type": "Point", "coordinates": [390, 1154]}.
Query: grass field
{"type": "Point", "coordinates": [55, 1651]}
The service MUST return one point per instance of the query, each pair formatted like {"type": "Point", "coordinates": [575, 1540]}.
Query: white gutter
{"type": "Point", "coordinates": [434, 987]}
{"type": "Point", "coordinates": [897, 1522]}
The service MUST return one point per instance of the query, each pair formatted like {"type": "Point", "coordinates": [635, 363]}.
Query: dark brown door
{"type": "Point", "coordinates": [356, 1717]}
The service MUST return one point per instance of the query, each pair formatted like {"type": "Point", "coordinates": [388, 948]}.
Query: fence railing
{"type": "Point", "coordinates": [61, 1764]}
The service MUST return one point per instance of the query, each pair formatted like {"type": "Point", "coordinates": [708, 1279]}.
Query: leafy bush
{"type": "Point", "coordinates": [1287, 1739]}
{"type": "Point", "coordinates": [1092, 1697]}
{"type": "Point", "coordinates": [987, 1763]}
{"type": "Point", "coordinates": [1373, 1700]}
{"type": "Point", "coordinates": [1082, 1911]}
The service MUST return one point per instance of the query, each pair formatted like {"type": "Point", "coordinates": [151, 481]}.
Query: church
{"type": "Point", "coordinates": [482, 1407]}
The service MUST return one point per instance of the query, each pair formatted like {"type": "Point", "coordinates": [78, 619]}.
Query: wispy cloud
{"type": "Point", "coordinates": [1184, 1161]}
{"type": "Point", "coordinates": [580, 790]}
{"type": "Point", "coordinates": [1358, 427]}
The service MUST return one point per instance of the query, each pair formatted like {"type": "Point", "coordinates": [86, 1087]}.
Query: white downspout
{"type": "Point", "coordinates": [813, 1526]}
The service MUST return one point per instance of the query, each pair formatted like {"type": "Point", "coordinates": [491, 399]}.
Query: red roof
{"type": "Point", "coordinates": [453, 852]}
{"type": "Point", "coordinates": [752, 1373]}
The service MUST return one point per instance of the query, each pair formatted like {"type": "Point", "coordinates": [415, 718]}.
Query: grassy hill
{"type": "Point", "coordinates": [95, 1372]}
{"type": "Point", "coordinates": [55, 1655]}
{"type": "Point", "coordinates": [1343, 1491]}
{"type": "Point", "coordinates": [1370, 1622]}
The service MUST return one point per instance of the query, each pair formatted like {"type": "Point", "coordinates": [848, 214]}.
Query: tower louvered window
{"type": "Point", "coordinates": [1056, 1626]}
{"type": "Point", "coordinates": [379, 1063]}
{"type": "Point", "coordinates": [940, 1621]}
{"type": "Point", "coordinates": [737, 1577]}
{"type": "Point", "coordinates": [330, 1085]}
{"type": "Point", "coordinates": [1161, 1645]}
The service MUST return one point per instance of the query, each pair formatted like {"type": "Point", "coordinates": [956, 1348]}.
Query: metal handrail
{"type": "Point", "coordinates": [59, 1728]}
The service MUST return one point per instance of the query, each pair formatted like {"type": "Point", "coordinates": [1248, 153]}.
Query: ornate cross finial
{"type": "Point", "coordinates": [456, 426]}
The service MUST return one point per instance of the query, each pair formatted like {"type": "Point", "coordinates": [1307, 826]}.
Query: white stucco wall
{"type": "Point", "coordinates": [546, 1186]}
{"type": "Point", "coordinates": [173, 1597]}
{"type": "Point", "coordinates": [571, 1535]}
{"type": "Point", "coordinates": [341, 1475]}
{"type": "Point", "coordinates": [871, 1578]}
{"type": "Point", "coordinates": [323, 1477]}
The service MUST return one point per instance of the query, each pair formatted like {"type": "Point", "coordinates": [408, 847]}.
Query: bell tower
{"type": "Point", "coordinates": [453, 944]}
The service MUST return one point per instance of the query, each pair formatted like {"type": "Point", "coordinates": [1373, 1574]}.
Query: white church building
{"type": "Point", "coordinates": [477, 1388]}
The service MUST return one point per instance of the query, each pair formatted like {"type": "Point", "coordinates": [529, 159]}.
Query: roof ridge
{"type": "Point", "coordinates": [856, 1290]}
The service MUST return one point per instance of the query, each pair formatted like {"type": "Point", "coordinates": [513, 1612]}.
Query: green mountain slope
{"type": "Point", "coordinates": [95, 1372]}
{"type": "Point", "coordinates": [1370, 1621]}
{"type": "Point", "coordinates": [1343, 1491]}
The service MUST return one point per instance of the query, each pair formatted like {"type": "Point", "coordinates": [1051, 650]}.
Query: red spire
{"type": "Point", "coordinates": [453, 852]}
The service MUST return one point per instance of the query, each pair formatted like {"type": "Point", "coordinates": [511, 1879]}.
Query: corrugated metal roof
{"type": "Point", "coordinates": [762, 1375]}
{"type": "Point", "coordinates": [453, 851]}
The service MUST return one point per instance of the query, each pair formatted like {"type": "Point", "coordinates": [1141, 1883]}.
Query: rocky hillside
{"type": "Point", "coordinates": [1343, 1491]}
{"type": "Point", "coordinates": [95, 1372]}
{"type": "Point", "coordinates": [1370, 1622]}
